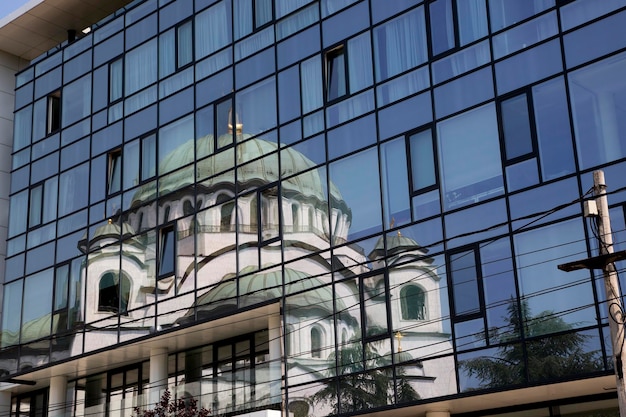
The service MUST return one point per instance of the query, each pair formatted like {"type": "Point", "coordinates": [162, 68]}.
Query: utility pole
{"type": "Point", "coordinates": [605, 261]}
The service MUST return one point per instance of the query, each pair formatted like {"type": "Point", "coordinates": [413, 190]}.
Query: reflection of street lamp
{"type": "Point", "coordinates": [399, 337]}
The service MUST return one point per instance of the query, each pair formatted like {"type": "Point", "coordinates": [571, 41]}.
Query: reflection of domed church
{"type": "Point", "coordinates": [220, 239]}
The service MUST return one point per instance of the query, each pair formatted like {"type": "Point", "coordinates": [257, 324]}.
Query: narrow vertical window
{"type": "Point", "coordinates": [184, 43]}
{"type": "Point", "coordinates": [413, 303]}
{"type": "Point", "coordinates": [336, 74]}
{"type": "Point", "coordinates": [464, 277]}
{"type": "Point", "coordinates": [316, 343]}
{"type": "Point", "coordinates": [455, 23]}
{"type": "Point", "coordinates": [262, 12]}
{"type": "Point", "coordinates": [116, 80]}
{"type": "Point", "coordinates": [115, 171]}
{"type": "Point", "coordinates": [148, 157]}
{"type": "Point", "coordinates": [167, 252]}
{"type": "Point", "coordinates": [516, 127]}
{"type": "Point", "coordinates": [35, 208]}
{"type": "Point", "coordinates": [54, 112]}
{"type": "Point", "coordinates": [423, 170]}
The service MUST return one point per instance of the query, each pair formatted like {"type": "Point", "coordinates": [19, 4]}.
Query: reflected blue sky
{"type": "Point", "coordinates": [8, 6]}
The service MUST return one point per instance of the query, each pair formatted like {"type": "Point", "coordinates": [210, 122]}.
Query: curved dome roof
{"type": "Point", "coordinates": [310, 293]}
{"type": "Point", "coordinates": [396, 243]}
{"type": "Point", "coordinates": [258, 164]}
{"type": "Point", "coordinates": [109, 230]}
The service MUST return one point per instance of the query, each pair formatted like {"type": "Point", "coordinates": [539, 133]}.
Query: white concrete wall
{"type": "Point", "coordinates": [9, 65]}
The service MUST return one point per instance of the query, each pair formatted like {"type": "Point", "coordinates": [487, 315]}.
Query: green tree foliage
{"type": "Point", "coordinates": [548, 358]}
{"type": "Point", "coordinates": [170, 407]}
{"type": "Point", "coordinates": [354, 389]}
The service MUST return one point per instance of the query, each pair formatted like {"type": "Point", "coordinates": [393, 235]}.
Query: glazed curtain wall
{"type": "Point", "coordinates": [387, 181]}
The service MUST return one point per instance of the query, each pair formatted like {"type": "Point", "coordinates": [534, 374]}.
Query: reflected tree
{"type": "Point", "coordinates": [173, 407]}
{"type": "Point", "coordinates": [352, 388]}
{"type": "Point", "coordinates": [547, 358]}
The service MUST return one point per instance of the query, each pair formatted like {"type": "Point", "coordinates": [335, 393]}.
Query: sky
{"type": "Point", "coordinates": [7, 6]}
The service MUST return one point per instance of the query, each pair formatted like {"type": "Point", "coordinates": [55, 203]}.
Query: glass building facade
{"type": "Point", "coordinates": [314, 207]}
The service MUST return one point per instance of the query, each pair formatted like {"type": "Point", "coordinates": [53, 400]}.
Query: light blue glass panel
{"type": "Point", "coordinates": [108, 49]}
{"type": "Point", "coordinates": [213, 29]}
{"type": "Point", "coordinates": [24, 95]}
{"type": "Point", "coordinates": [76, 99]}
{"type": "Point", "coordinates": [24, 77]}
{"type": "Point", "coordinates": [461, 62]}
{"type": "Point", "coordinates": [524, 36]}
{"type": "Point", "coordinates": [345, 24]}
{"type": "Point", "coordinates": [360, 62]}
{"type": "Point", "coordinates": [76, 67]}
{"type": "Point", "coordinates": [504, 13]}
{"type": "Point", "coordinates": [170, 138]}
{"type": "Point", "coordinates": [18, 213]}
{"type": "Point", "coordinates": [313, 123]}
{"type": "Point", "coordinates": [176, 106]}
{"type": "Point", "coordinates": [256, 107]}
{"type": "Point", "coordinates": [403, 86]}
{"type": "Point", "coordinates": [40, 258]}
{"type": "Point", "coordinates": [552, 124]}
{"type": "Point", "coordinates": [37, 305]}
{"type": "Point", "coordinates": [474, 224]}
{"type": "Point", "coordinates": [22, 128]}
{"type": "Point", "coordinates": [141, 67]}
{"type": "Point", "coordinates": [350, 108]}
{"type": "Point", "coordinates": [464, 92]}
{"type": "Point", "coordinates": [543, 198]}
{"type": "Point", "coordinates": [597, 94]}
{"type": "Point", "coordinates": [333, 6]}
{"type": "Point", "coordinates": [214, 64]}
{"type": "Point", "coordinates": [426, 205]}
{"type": "Point", "coordinates": [581, 11]}
{"type": "Point", "coordinates": [167, 53]}
{"type": "Point", "coordinates": [469, 157]}
{"type": "Point", "coordinates": [145, 29]}
{"type": "Point", "coordinates": [382, 9]}
{"type": "Point", "coordinates": [546, 289]}
{"type": "Point", "coordinates": [255, 68]}
{"type": "Point", "coordinates": [297, 21]}
{"type": "Point", "coordinates": [254, 43]}
{"type": "Point", "coordinates": [44, 168]}
{"type": "Point", "coordinates": [176, 82]}
{"type": "Point", "coordinates": [11, 315]}
{"type": "Point", "coordinates": [472, 16]}
{"type": "Point", "coordinates": [354, 176]}
{"type": "Point", "coordinates": [298, 47]}
{"type": "Point", "coordinates": [400, 44]}
{"type": "Point", "coordinates": [284, 7]}
{"type": "Point", "coordinates": [405, 115]}
{"type": "Point", "coordinates": [311, 84]}
{"type": "Point", "coordinates": [352, 136]}
{"type": "Point", "coordinates": [395, 184]}
{"type": "Point", "coordinates": [289, 94]}
{"type": "Point", "coordinates": [595, 40]}
{"type": "Point", "coordinates": [140, 100]}
{"type": "Point", "coordinates": [522, 174]}
{"type": "Point", "coordinates": [70, 181]}
{"type": "Point", "coordinates": [441, 26]}
{"type": "Point", "coordinates": [528, 66]}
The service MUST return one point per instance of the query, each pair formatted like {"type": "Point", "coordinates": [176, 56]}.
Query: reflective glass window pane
{"type": "Point", "coordinates": [22, 127]}
{"type": "Point", "coordinates": [461, 62]}
{"type": "Point", "coordinates": [172, 137]}
{"type": "Point", "coordinates": [469, 157]}
{"type": "Point", "coordinates": [597, 92]}
{"type": "Point", "coordinates": [554, 135]}
{"type": "Point", "coordinates": [581, 11]}
{"type": "Point", "coordinates": [11, 315]}
{"type": "Point", "coordinates": [595, 40]}
{"type": "Point", "coordinates": [525, 35]}
{"type": "Point", "coordinates": [311, 84]}
{"type": "Point", "coordinates": [18, 213]}
{"type": "Point", "coordinates": [73, 186]}
{"type": "Point", "coordinates": [568, 296]}
{"type": "Point", "coordinates": [354, 176]}
{"type": "Point", "coordinates": [403, 86]}
{"type": "Point", "coordinates": [529, 66]}
{"type": "Point", "coordinates": [184, 43]}
{"type": "Point", "coordinates": [141, 67]}
{"type": "Point", "coordinates": [395, 184]}
{"type": "Point", "coordinates": [212, 29]}
{"type": "Point", "coordinates": [360, 62]}
{"type": "Point", "coordinates": [336, 82]}
{"type": "Point", "coordinates": [37, 305]}
{"type": "Point", "coordinates": [472, 17]}
{"type": "Point", "coordinates": [441, 26]}
{"type": "Point", "coordinates": [256, 107]}
{"type": "Point", "coordinates": [422, 160]}
{"type": "Point", "coordinates": [400, 44]}
{"type": "Point", "coordinates": [405, 115]}
{"type": "Point", "coordinates": [463, 92]}
{"type": "Point", "coordinates": [116, 78]}
{"type": "Point", "coordinates": [464, 282]}
{"type": "Point", "coordinates": [504, 13]}
{"type": "Point", "coordinates": [516, 127]}
{"type": "Point", "coordinates": [522, 174]}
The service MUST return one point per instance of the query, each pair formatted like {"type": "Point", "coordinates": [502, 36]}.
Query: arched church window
{"type": "Point", "coordinates": [187, 208]}
{"type": "Point", "coordinates": [316, 342]}
{"type": "Point", "coordinates": [413, 303]}
{"type": "Point", "coordinates": [226, 212]}
{"type": "Point", "coordinates": [113, 293]}
{"type": "Point", "coordinates": [295, 216]}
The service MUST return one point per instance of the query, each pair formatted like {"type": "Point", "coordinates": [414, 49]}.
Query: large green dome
{"type": "Point", "coordinates": [258, 164]}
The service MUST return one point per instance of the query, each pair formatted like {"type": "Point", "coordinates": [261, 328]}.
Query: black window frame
{"type": "Point", "coordinates": [451, 257]}
{"type": "Point", "coordinates": [54, 110]}
{"type": "Point", "coordinates": [122, 76]}
{"type": "Point", "coordinates": [330, 57]}
{"type": "Point", "coordinates": [114, 163]}
{"type": "Point", "coordinates": [414, 191]}
{"type": "Point", "coordinates": [167, 231]}
{"type": "Point", "coordinates": [532, 126]}
{"type": "Point", "coordinates": [178, 39]}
